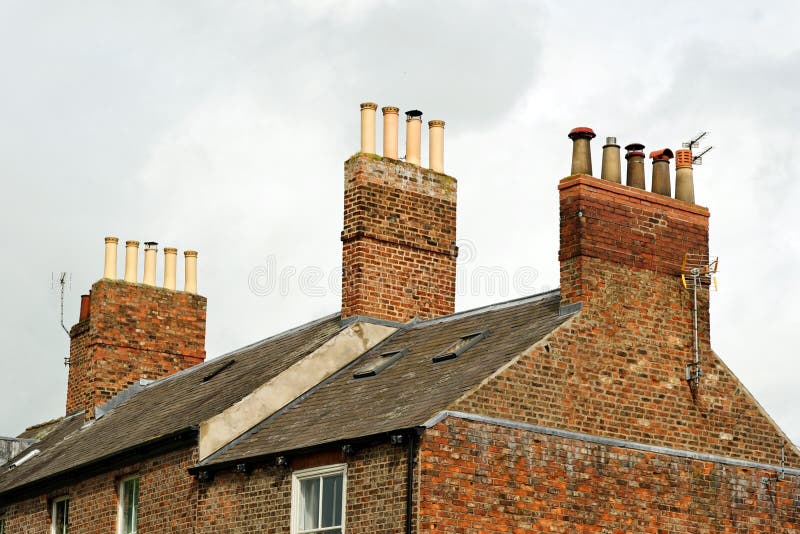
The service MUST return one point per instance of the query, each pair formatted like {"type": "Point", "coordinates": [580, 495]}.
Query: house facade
{"type": "Point", "coordinates": [597, 407]}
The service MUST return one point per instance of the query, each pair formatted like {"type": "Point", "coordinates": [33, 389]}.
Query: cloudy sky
{"type": "Point", "coordinates": [222, 126]}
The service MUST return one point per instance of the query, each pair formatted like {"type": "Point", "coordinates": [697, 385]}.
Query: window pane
{"type": "Point", "coordinates": [61, 516]}
{"type": "Point", "coordinates": [332, 501]}
{"type": "Point", "coordinates": [130, 505]}
{"type": "Point", "coordinates": [309, 503]}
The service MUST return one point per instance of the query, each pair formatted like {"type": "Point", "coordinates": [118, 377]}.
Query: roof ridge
{"type": "Point", "coordinates": [488, 307]}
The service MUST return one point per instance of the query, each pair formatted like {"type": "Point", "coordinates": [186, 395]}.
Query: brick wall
{"type": "Point", "coordinates": [260, 501]}
{"type": "Point", "coordinates": [481, 477]}
{"type": "Point", "coordinates": [398, 253]}
{"type": "Point", "coordinates": [617, 369]}
{"type": "Point", "coordinates": [167, 497]}
{"type": "Point", "coordinates": [133, 331]}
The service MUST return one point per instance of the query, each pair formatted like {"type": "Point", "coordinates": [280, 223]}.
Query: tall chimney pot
{"type": "Point", "coordinates": [131, 260]}
{"type": "Point", "coordinates": [368, 127]}
{"type": "Point", "coordinates": [581, 153]}
{"type": "Point", "coordinates": [684, 175]}
{"type": "Point", "coordinates": [150, 252]}
{"type": "Point", "coordinates": [110, 270]}
{"type": "Point", "coordinates": [84, 314]}
{"type": "Point", "coordinates": [635, 157]}
{"type": "Point", "coordinates": [170, 262]}
{"type": "Point", "coordinates": [660, 183]}
{"type": "Point", "coordinates": [190, 275]}
{"type": "Point", "coordinates": [413, 135]}
{"type": "Point", "coordinates": [436, 145]}
{"type": "Point", "coordinates": [390, 118]}
{"type": "Point", "coordinates": [611, 170]}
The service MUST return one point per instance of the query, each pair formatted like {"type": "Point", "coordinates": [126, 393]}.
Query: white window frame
{"type": "Point", "coordinates": [53, 507]}
{"type": "Point", "coordinates": [121, 503]}
{"type": "Point", "coordinates": [297, 476]}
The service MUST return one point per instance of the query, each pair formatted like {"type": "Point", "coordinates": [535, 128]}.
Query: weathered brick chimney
{"type": "Point", "coordinates": [130, 331]}
{"type": "Point", "coordinates": [398, 242]}
{"type": "Point", "coordinates": [621, 254]}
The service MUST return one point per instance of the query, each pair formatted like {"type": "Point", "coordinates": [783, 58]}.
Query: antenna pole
{"type": "Point", "coordinates": [63, 282]}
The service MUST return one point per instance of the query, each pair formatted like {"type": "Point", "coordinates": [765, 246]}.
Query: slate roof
{"type": "Point", "coordinates": [404, 395]}
{"type": "Point", "coordinates": [169, 405]}
{"type": "Point", "coordinates": [410, 391]}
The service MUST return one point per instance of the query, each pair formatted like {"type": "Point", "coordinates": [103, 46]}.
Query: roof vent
{"type": "Point", "coordinates": [459, 347]}
{"type": "Point", "coordinates": [25, 458]}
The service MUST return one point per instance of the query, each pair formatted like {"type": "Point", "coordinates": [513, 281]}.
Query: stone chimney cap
{"type": "Point", "coordinates": [581, 132]}
{"type": "Point", "coordinates": [369, 105]}
{"type": "Point", "coordinates": [664, 154]}
{"type": "Point", "coordinates": [635, 146]}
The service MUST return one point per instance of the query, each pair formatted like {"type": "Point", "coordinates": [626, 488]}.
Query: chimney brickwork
{"type": "Point", "coordinates": [132, 332]}
{"type": "Point", "coordinates": [398, 242]}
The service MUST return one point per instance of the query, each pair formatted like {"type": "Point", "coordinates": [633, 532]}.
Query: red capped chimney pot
{"type": "Point", "coordinates": [581, 154]}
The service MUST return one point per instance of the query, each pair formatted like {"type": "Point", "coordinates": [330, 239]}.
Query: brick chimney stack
{"type": "Point", "coordinates": [129, 331]}
{"type": "Point", "coordinates": [398, 241]}
{"type": "Point", "coordinates": [624, 246]}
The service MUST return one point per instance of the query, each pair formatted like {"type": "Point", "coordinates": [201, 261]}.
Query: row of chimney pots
{"type": "Point", "coordinates": [612, 168]}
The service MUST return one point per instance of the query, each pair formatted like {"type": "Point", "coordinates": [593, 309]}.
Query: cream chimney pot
{"type": "Point", "coordinates": [131, 260]}
{"type": "Point", "coordinates": [368, 127]}
{"type": "Point", "coordinates": [390, 118]}
{"type": "Point", "coordinates": [612, 169]}
{"type": "Point", "coordinates": [170, 262]}
{"type": "Point", "coordinates": [110, 270]}
{"type": "Point", "coordinates": [436, 145]}
{"type": "Point", "coordinates": [413, 135]}
{"type": "Point", "coordinates": [190, 275]}
{"type": "Point", "coordinates": [150, 252]}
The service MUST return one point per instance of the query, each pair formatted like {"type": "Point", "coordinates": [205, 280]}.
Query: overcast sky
{"type": "Point", "coordinates": [223, 126]}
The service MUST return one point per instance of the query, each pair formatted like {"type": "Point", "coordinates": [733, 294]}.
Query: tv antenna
{"type": "Point", "coordinates": [64, 281]}
{"type": "Point", "coordinates": [697, 271]}
{"type": "Point", "coordinates": [695, 143]}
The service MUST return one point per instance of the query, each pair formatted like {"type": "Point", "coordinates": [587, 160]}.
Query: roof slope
{"type": "Point", "coordinates": [169, 405]}
{"type": "Point", "coordinates": [410, 391]}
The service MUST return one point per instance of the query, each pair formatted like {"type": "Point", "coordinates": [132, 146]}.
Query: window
{"type": "Point", "coordinates": [60, 516]}
{"type": "Point", "coordinates": [379, 363]}
{"type": "Point", "coordinates": [128, 506]}
{"type": "Point", "coordinates": [318, 498]}
{"type": "Point", "coordinates": [459, 347]}
{"type": "Point", "coordinates": [2, 526]}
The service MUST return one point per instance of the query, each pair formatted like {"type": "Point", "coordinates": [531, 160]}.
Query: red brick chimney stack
{"type": "Point", "coordinates": [129, 331]}
{"type": "Point", "coordinates": [617, 241]}
{"type": "Point", "coordinates": [398, 241]}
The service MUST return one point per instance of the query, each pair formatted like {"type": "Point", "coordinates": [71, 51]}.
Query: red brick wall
{"type": "Point", "coordinates": [133, 331]}
{"type": "Point", "coordinates": [167, 497]}
{"type": "Point", "coordinates": [617, 369]}
{"type": "Point", "coordinates": [260, 501]}
{"type": "Point", "coordinates": [479, 477]}
{"type": "Point", "coordinates": [625, 226]}
{"type": "Point", "coordinates": [398, 254]}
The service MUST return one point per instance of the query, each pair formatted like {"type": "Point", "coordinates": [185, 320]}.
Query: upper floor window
{"type": "Point", "coordinates": [59, 516]}
{"type": "Point", "coordinates": [128, 506]}
{"type": "Point", "coordinates": [318, 499]}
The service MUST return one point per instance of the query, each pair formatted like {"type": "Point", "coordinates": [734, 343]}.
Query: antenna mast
{"type": "Point", "coordinates": [694, 142]}
{"type": "Point", "coordinates": [64, 281]}
{"type": "Point", "coordinates": [697, 270]}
